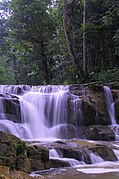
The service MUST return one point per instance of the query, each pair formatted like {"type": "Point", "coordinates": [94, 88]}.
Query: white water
{"type": "Point", "coordinates": [110, 104]}
{"type": "Point", "coordinates": [111, 111]}
{"type": "Point", "coordinates": [44, 117]}
{"type": "Point", "coordinates": [43, 112]}
{"type": "Point", "coordinates": [95, 158]}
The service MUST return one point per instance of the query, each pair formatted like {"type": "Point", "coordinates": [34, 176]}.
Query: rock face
{"type": "Point", "coordinates": [93, 103]}
{"type": "Point", "coordinates": [102, 133]}
{"type": "Point", "coordinates": [15, 154]}
{"type": "Point", "coordinates": [103, 150]}
{"type": "Point", "coordinates": [38, 157]}
{"type": "Point", "coordinates": [79, 150]}
{"type": "Point", "coordinates": [117, 111]}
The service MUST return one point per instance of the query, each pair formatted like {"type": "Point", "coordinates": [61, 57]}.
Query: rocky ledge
{"type": "Point", "coordinates": [19, 159]}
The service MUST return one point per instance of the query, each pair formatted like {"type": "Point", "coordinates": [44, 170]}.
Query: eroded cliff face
{"type": "Point", "coordinates": [94, 107]}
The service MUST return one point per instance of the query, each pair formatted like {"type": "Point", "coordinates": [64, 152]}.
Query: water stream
{"type": "Point", "coordinates": [111, 111]}
{"type": "Point", "coordinates": [44, 116]}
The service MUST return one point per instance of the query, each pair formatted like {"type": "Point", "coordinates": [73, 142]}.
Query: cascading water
{"type": "Point", "coordinates": [111, 111]}
{"type": "Point", "coordinates": [49, 113]}
{"type": "Point", "coordinates": [43, 112]}
{"type": "Point", "coordinates": [110, 104]}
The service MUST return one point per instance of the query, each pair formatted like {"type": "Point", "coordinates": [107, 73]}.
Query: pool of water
{"type": "Point", "coordinates": [105, 170]}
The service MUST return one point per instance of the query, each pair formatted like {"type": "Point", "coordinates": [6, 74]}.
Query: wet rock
{"type": "Point", "coordinates": [12, 109]}
{"type": "Point", "coordinates": [117, 111]}
{"type": "Point", "coordinates": [104, 152]}
{"type": "Point", "coordinates": [13, 152]}
{"type": "Point", "coordinates": [89, 112]}
{"type": "Point", "coordinates": [94, 108]}
{"type": "Point", "coordinates": [39, 157]}
{"type": "Point", "coordinates": [78, 89]}
{"type": "Point", "coordinates": [16, 154]}
{"type": "Point", "coordinates": [57, 163]}
{"type": "Point", "coordinates": [68, 150]}
{"type": "Point", "coordinates": [102, 133]}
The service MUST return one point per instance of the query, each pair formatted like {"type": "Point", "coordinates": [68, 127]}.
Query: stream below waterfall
{"type": "Point", "coordinates": [44, 117]}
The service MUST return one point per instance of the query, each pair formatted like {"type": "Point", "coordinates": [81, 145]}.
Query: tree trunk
{"type": "Point", "coordinates": [77, 69]}
{"type": "Point", "coordinates": [45, 68]}
{"type": "Point", "coordinates": [84, 37]}
{"type": "Point", "coordinates": [15, 68]}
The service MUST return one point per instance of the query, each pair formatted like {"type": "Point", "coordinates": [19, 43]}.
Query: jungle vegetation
{"type": "Point", "coordinates": [59, 41]}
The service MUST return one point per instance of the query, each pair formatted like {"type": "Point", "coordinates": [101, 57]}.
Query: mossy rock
{"type": "Point", "coordinates": [105, 152]}
{"type": "Point", "coordinates": [4, 172]}
{"type": "Point", "coordinates": [100, 133]}
{"type": "Point", "coordinates": [13, 152]}
{"type": "Point", "coordinates": [38, 157]}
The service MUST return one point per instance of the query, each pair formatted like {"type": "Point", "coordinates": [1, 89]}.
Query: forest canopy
{"type": "Point", "coordinates": [59, 41]}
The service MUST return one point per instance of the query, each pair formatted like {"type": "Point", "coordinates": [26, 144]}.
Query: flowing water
{"type": "Point", "coordinates": [44, 116]}
{"type": "Point", "coordinates": [111, 110]}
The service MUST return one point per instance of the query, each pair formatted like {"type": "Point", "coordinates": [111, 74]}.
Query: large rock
{"type": "Point", "coordinates": [69, 151]}
{"type": "Point", "coordinates": [103, 150]}
{"type": "Point", "coordinates": [11, 109]}
{"type": "Point", "coordinates": [102, 133]}
{"type": "Point", "coordinates": [58, 163]}
{"type": "Point", "coordinates": [94, 108]}
{"type": "Point", "coordinates": [39, 157]}
{"type": "Point", "coordinates": [13, 152]}
{"type": "Point", "coordinates": [16, 154]}
{"type": "Point", "coordinates": [89, 112]}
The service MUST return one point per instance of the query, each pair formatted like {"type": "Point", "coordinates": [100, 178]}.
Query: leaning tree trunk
{"type": "Point", "coordinates": [84, 37]}
{"type": "Point", "coordinates": [74, 60]}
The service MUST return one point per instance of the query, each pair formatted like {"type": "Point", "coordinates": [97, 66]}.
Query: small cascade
{"type": "Point", "coordinates": [2, 113]}
{"type": "Point", "coordinates": [55, 154]}
{"type": "Point", "coordinates": [111, 110]}
{"type": "Point", "coordinates": [95, 158]}
{"type": "Point", "coordinates": [110, 104]}
{"type": "Point", "coordinates": [14, 89]}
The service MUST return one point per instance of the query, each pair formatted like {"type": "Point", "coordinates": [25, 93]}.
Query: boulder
{"type": "Point", "coordinates": [57, 163]}
{"type": "Point", "coordinates": [103, 150]}
{"type": "Point", "coordinates": [13, 152]}
{"type": "Point", "coordinates": [69, 151]}
{"type": "Point", "coordinates": [102, 133]}
{"type": "Point", "coordinates": [16, 154]}
{"type": "Point", "coordinates": [38, 157]}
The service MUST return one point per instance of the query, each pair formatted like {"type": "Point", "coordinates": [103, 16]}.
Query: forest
{"type": "Point", "coordinates": [59, 41]}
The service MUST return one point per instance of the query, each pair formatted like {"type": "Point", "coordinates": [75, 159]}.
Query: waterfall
{"type": "Point", "coordinates": [95, 158]}
{"type": "Point", "coordinates": [111, 110]}
{"type": "Point", "coordinates": [110, 104]}
{"type": "Point", "coordinates": [43, 112]}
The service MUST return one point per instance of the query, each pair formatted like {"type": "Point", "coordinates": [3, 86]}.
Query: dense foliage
{"type": "Point", "coordinates": [59, 42]}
